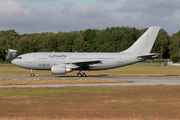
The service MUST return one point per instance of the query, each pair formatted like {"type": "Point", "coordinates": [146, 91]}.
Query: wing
{"type": "Point", "coordinates": [147, 56]}
{"type": "Point", "coordinates": [78, 64]}
{"type": "Point", "coordinates": [85, 62]}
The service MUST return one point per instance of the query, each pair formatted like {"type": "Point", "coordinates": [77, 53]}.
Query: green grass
{"type": "Point", "coordinates": [26, 92]}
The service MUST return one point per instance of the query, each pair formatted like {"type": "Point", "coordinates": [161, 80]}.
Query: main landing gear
{"type": "Point", "coordinates": [81, 73]}
{"type": "Point", "coordinates": [32, 74]}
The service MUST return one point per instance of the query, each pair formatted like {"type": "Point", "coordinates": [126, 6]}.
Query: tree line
{"type": "Point", "coordinates": [114, 39]}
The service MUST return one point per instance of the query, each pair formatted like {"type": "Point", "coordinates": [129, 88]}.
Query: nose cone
{"type": "Point", "coordinates": [13, 61]}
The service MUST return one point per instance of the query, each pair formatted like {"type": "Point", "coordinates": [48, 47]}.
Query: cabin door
{"type": "Point", "coordinates": [120, 58]}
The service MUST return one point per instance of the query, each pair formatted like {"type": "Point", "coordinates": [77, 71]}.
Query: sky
{"type": "Point", "coordinates": [37, 16]}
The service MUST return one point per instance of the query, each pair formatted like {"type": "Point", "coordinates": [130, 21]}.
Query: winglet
{"type": "Point", "coordinates": [145, 42]}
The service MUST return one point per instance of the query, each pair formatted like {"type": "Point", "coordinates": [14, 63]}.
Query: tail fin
{"type": "Point", "coordinates": [145, 42]}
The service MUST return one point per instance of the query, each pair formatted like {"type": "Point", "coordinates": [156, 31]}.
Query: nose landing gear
{"type": "Point", "coordinates": [32, 74]}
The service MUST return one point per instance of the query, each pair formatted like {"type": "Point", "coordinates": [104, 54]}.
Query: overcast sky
{"type": "Point", "coordinates": [37, 16]}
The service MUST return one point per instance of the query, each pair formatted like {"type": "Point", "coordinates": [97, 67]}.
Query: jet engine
{"type": "Point", "coordinates": [60, 69]}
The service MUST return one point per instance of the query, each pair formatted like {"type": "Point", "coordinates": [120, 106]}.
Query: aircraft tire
{"type": "Point", "coordinates": [79, 75]}
{"type": "Point", "coordinates": [32, 74]}
{"type": "Point", "coordinates": [83, 75]}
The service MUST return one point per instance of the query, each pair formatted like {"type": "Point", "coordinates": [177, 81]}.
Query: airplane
{"type": "Point", "coordinates": [64, 62]}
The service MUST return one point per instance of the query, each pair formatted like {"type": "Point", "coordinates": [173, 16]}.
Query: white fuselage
{"type": "Point", "coordinates": [45, 60]}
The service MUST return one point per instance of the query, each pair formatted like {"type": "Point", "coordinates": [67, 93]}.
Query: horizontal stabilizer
{"type": "Point", "coordinates": [147, 56]}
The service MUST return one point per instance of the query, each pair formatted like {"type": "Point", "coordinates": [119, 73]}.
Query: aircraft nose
{"type": "Point", "coordinates": [13, 61]}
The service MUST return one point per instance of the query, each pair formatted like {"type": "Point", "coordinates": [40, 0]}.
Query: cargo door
{"type": "Point", "coordinates": [29, 59]}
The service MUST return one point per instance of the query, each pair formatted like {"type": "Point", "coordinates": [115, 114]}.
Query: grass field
{"type": "Point", "coordinates": [159, 102]}
{"type": "Point", "coordinates": [61, 81]}
{"type": "Point", "coordinates": [132, 70]}
{"type": "Point", "coordinates": [125, 102]}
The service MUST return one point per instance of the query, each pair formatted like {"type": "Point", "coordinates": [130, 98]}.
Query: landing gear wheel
{"type": "Point", "coordinates": [79, 74]}
{"type": "Point", "coordinates": [83, 75]}
{"type": "Point", "coordinates": [32, 74]}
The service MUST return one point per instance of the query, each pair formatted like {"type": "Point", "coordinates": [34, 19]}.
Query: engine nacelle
{"type": "Point", "coordinates": [60, 69]}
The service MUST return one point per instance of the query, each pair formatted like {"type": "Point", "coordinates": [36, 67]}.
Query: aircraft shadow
{"type": "Point", "coordinates": [83, 77]}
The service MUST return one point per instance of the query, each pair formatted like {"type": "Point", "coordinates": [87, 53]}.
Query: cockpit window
{"type": "Point", "coordinates": [19, 57]}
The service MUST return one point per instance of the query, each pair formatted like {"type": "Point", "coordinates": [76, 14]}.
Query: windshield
{"type": "Point", "coordinates": [19, 58]}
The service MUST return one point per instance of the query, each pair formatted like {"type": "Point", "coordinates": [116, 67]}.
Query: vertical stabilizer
{"type": "Point", "coordinates": [145, 42]}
